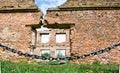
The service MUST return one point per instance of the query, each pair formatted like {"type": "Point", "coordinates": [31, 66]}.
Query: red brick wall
{"type": "Point", "coordinates": [15, 2]}
{"type": "Point", "coordinates": [13, 29]}
{"type": "Point", "coordinates": [17, 18]}
{"type": "Point", "coordinates": [94, 29]}
{"type": "Point", "coordinates": [20, 18]}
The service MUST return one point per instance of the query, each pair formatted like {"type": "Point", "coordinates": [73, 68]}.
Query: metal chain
{"type": "Point", "coordinates": [64, 58]}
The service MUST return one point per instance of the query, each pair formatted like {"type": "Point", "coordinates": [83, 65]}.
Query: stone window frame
{"type": "Point", "coordinates": [52, 41]}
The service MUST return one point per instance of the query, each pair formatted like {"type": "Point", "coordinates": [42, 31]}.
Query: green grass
{"type": "Point", "coordinates": [54, 67]}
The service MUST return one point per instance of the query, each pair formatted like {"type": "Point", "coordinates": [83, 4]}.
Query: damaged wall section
{"type": "Point", "coordinates": [54, 39]}
{"type": "Point", "coordinates": [96, 26]}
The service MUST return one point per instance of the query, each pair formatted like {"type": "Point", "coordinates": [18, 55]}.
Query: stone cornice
{"type": "Point", "coordinates": [83, 8]}
{"type": "Point", "coordinates": [13, 10]}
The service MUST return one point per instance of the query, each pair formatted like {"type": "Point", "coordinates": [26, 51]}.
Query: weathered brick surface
{"type": "Point", "coordinates": [13, 27]}
{"type": "Point", "coordinates": [26, 18]}
{"type": "Point", "coordinates": [16, 3]}
{"type": "Point", "coordinates": [90, 3]}
{"type": "Point", "coordinates": [16, 27]}
{"type": "Point", "coordinates": [93, 30]}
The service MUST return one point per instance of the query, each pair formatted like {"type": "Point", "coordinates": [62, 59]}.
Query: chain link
{"type": "Point", "coordinates": [64, 58]}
